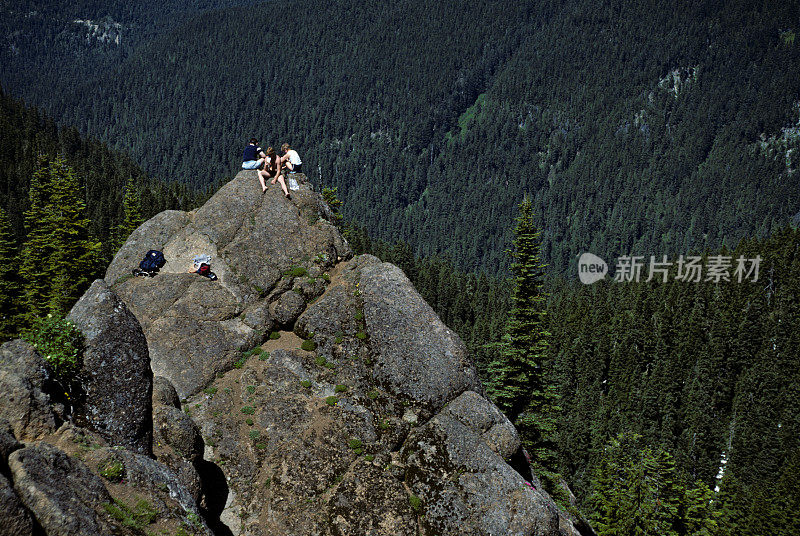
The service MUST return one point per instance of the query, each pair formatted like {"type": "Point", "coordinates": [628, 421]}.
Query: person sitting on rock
{"type": "Point", "coordinates": [253, 157]}
{"type": "Point", "coordinates": [290, 159]}
{"type": "Point", "coordinates": [272, 169]}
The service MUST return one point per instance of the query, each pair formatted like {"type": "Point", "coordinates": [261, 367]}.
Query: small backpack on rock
{"type": "Point", "coordinates": [205, 271]}
{"type": "Point", "coordinates": [153, 261]}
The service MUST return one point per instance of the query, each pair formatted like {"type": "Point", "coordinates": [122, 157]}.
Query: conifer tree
{"type": "Point", "coordinates": [38, 247]}
{"type": "Point", "coordinates": [59, 256]}
{"type": "Point", "coordinates": [519, 376]}
{"type": "Point", "coordinates": [132, 214]}
{"type": "Point", "coordinates": [75, 256]}
{"type": "Point", "coordinates": [635, 491]}
{"type": "Point", "coordinates": [10, 289]}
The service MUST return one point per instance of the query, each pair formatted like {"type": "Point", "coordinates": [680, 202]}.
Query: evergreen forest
{"type": "Point", "coordinates": [638, 127]}
{"type": "Point", "coordinates": [481, 147]}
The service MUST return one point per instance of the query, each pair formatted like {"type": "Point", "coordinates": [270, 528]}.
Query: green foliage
{"type": "Point", "coordinates": [361, 335]}
{"type": "Point", "coordinates": [254, 435]}
{"type": "Point", "coordinates": [10, 284]}
{"type": "Point", "coordinates": [137, 517]}
{"type": "Point", "coordinates": [320, 360]}
{"type": "Point", "coordinates": [308, 345]}
{"type": "Point", "coordinates": [373, 394]}
{"type": "Point", "coordinates": [112, 469]}
{"type": "Point", "coordinates": [341, 388]}
{"type": "Point", "coordinates": [305, 383]}
{"type": "Point", "coordinates": [248, 410]}
{"type": "Point", "coordinates": [637, 490]}
{"type": "Point", "coordinates": [296, 271]}
{"type": "Point", "coordinates": [274, 335]}
{"type": "Point", "coordinates": [132, 213]}
{"type": "Point", "coordinates": [415, 503]}
{"type": "Point", "coordinates": [58, 255]}
{"type": "Point", "coordinates": [61, 345]}
{"type": "Point", "coordinates": [249, 422]}
{"type": "Point", "coordinates": [330, 195]}
{"type": "Point", "coordinates": [356, 446]}
{"type": "Point", "coordinates": [210, 391]}
{"type": "Point", "coordinates": [520, 382]}
{"type": "Point", "coordinates": [332, 400]}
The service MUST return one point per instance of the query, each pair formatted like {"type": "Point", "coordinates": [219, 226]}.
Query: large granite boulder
{"type": "Point", "coordinates": [466, 488]}
{"type": "Point", "coordinates": [262, 246]}
{"type": "Point", "coordinates": [64, 495]}
{"type": "Point", "coordinates": [25, 404]}
{"type": "Point", "coordinates": [115, 375]}
{"type": "Point", "coordinates": [16, 520]}
{"type": "Point", "coordinates": [175, 429]}
{"type": "Point", "coordinates": [486, 420]}
{"type": "Point", "coordinates": [416, 355]}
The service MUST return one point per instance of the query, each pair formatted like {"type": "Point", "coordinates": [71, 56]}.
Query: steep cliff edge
{"type": "Point", "coordinates": [303, 392]}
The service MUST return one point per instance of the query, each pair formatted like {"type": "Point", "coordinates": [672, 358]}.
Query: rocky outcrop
{"type": "Point", "coordinates": [116, 378]}
{"type": "Point", "coordinates": [416, 355]}
{"type": "Point", "coordinates": [65, 497]}
{"type": "Point", "coordinates": [16, 520]}
{"type": "Point", "coordinates": [467, 488]}
{"type": "Point", "coordinates": [23, 379]}
{"type": "Point", "coordinates": [263, 247]}
{"type": "Point", "coordinates": [303, 392]}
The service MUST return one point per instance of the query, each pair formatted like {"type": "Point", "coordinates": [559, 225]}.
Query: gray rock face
{"type": "Point", "coordinates": [174, 428]}
{"type": "Point", "coordinates": [466, 489]}
{"type": "Point", "coordinates": [417, 356]}
{"type": "Point", "coordinates": [8, 444]}
{"type": "Point", "coordinates": [483, 418]}
{"type": "Point", "coordinates": [116, 374]}
{"type": "Point", "coordinates": [64, 496]}
{"type": "Point", "coordinates": [353, 511]}
{"type": "Point", "coordinates": [287, 308]}
{"type": "Point", "coordinates": [16, 520]}
{"type": "Point", "coordinates": [24, 405]}
{"type": "Point", "coordinates": [196, 328]}
{"type": "Point", "coordinates": [164, 393]}
{"type": "Point", "coordinates": [152, 234]}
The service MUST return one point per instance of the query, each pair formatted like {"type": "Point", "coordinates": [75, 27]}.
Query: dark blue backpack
{"type": "Point", "coordinates": [153, 261]}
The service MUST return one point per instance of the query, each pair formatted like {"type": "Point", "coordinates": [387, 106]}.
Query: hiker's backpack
{"type": "Point", "coordinates": [205, 271]}
{"type": "Point", "coordinates": [153, 261]}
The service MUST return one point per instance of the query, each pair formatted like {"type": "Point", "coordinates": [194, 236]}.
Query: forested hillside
{"type": "Point", "coordinates": [66, 205]}
{"type": "Point", "coordinates": [104, 174]}
{"type": "Point", "coordinates": [50, 46]}
{"type": "Point", "coordinates": [697, 379]}
{"type": "Point", "coordinates": [648, 127]}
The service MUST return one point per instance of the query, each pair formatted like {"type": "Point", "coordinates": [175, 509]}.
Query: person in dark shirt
{"type": "Point", "coordinates": [253, 157]}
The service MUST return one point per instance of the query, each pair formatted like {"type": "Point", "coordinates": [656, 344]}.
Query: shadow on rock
{"type": "Point", "coordinates": [215, 495]}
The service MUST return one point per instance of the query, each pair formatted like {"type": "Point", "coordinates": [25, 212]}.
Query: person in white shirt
{"type": "Point", "coordinates": [291, 159]}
